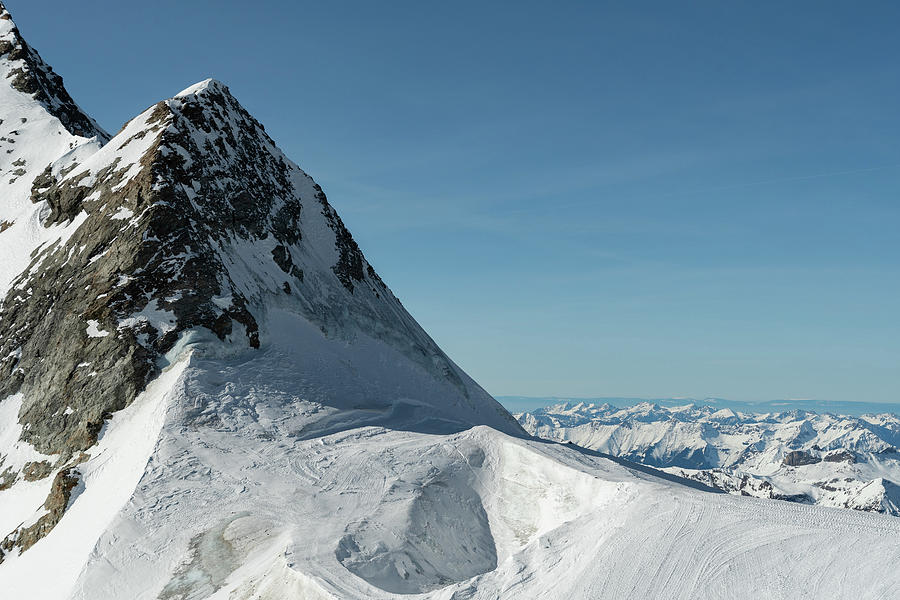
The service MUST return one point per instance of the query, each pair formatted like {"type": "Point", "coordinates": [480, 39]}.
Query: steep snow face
{"type": "Point", "coordinates": [105, 483]}
{"type": "Point", "coordinates": [800, 456]}
{"type": "Point", "coordinates": [31, 76]}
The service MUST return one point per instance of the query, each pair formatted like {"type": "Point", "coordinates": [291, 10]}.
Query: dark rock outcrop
{"type": "Point", "coordinates": [33, 471]}
{"type": "Point", "coordinates": [797, 458]}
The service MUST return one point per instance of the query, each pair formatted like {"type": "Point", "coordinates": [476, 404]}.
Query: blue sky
{"type": "Point", "coordinates": [574, 199]}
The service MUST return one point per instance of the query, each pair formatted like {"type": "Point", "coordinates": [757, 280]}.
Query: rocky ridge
{"type": "Point", "coordinates": [190, 219]}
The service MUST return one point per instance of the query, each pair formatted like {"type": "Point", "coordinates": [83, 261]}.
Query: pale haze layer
{"type": "Point", "coordinates": [574, 200]}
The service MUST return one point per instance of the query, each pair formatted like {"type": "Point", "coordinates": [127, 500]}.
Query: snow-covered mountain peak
{"type": "Point", "coordinates": [796, 455]}
{"type": "Point", "coordinates": [202, 86]}
{"type": "Point", "coordinates": [190, 233]}
{"type": "Point", "coordinates": [190, 217]}
{"type": "Point", "coordinates": [22, 69]}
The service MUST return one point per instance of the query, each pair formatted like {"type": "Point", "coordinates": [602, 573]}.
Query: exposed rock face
{"type": "Point", "coordinates": [156, 255]}
{"type": "Point", "coordinates": [36, 470]}
{"type": "Point", "coordinates": [7, 478]}
{"type": "Point", "coordinates": [169, 206]}
{"type": "Point", "coordinates": [798, 458]}
{"type": "Point", "coordinates": [840, 456]}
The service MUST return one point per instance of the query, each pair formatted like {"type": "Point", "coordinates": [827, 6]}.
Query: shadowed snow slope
{"type": "Point", "coordinates": [206, 392]}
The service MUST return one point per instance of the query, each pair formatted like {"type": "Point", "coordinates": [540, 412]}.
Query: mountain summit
{"type": "Point", "coordinates": [206, 391]}
{"type": "Point", "coordinates": [188, 224]}
{"type": "Point", "coordinates": [190, 220]}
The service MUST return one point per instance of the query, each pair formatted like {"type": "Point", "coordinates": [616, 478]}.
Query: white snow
{"type": "Point", "coordinates": [198, 87]}
{"type": "Point", "coordinates": [122, 214]}
{"type": "Point", "coordinates": [93, 329]}
{"type": "Point", "coordinates": [162, 320]}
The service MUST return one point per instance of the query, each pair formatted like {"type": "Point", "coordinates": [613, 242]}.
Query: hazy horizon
{"type": "Point", "coordinates": [516, 404]}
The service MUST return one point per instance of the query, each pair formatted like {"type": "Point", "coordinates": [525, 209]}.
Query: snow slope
{"type": "Point", "coordinates": [250, 492]}
{"type": "Point", "coordinates": [106, 485]}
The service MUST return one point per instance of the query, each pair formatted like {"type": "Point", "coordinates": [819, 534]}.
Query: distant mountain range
{"type": "Point", "coordinates": [516, 404]}
{"type": "Point", "coordinates": [801, 456]}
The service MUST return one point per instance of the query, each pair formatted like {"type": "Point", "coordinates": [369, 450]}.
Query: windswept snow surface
{"type": "Point", "coordinates": [246, 474]}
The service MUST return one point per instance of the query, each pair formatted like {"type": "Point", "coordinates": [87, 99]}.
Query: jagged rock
{"type": "Point", "coordinates": [7, 478]}
{"type": "Point", "coordinates": [33, 471]}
